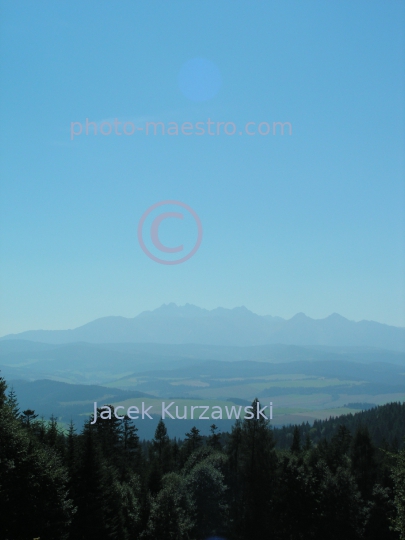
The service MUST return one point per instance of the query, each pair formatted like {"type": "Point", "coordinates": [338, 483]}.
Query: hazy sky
{"type": "Point", "coordinates": [312, 221]}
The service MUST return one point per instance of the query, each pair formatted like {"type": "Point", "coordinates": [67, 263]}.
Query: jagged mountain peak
{"type": "Point", "coordinates": [174, 324]}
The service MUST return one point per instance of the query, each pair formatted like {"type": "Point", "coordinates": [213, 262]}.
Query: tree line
{"type": "Point", "coordinates": [254, 482]}
{"type": "Point", "coordinates": [386, 426]}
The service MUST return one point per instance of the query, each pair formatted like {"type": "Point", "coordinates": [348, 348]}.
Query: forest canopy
{"type": "Point", "coordinates": [339, 478]}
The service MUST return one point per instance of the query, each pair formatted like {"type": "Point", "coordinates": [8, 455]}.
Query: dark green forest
{"type": "Point", "coordinates": [343, 478]}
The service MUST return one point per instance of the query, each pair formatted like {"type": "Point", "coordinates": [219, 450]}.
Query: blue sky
{"type": "Point", "coordinates": [312, 222]}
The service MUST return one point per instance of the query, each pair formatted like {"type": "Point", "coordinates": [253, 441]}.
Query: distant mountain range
{"type": "Point", "coordinates": [172, 324]}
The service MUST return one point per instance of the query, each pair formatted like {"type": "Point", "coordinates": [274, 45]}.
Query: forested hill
{"type": "Point", "coordinates": [386, 425]}
{"type": "Point", "coordinates": [104, 483]}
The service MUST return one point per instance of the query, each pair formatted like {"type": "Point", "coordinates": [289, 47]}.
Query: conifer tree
{"type": "Point", "coordinates": [3, 387]}
{"type": "Point", "coordinates": [71, 440]}
{"type": "Point", "coordinates": [159, 455]}
{"type": "Point", "coordinates": [296, 442]}
{"type": "Point", "coordinates": [339, 448]}
{"type": "Point", "coordinates": [28, 416]}
{"type": "Point", "coordinates": [258, 463]}
{"type": "Point", "coordinates": [398, 475]}
{"type": "Point", "coordinates": [131, 448]}
{"type": "Point", "coordinates": [215, 438]}
{"type": "Point", "coordinates": [295, 501]}
{"type": "Point", "coordinates": [109, 433]}
{"type": "Point", "coordinates": [161, 446]}
{"type": "Point", "coordinates": [33, 482]}
{"type": "Point", "coordinates": [54, 437]}
{"type": "Point", "coordinates": [308, 442]}
{"type": "Point", "coordinates": [192, 441]}
{"type": "Point", "coordinates": [12, 402]}
{"type": "Point", "coordinates": [363, 464]}
{"type": "Point", "coordinates": [93, 487]}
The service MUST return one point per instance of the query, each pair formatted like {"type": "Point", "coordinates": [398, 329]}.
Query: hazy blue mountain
{"type": "Point", "coordinates": [44, 391]}
{"type": "Point", "coordinates": [172, 324]}
{"type": "Point", "coordinates": [79, 362]}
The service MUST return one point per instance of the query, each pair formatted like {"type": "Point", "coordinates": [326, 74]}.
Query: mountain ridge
{"type": "Point", "coordinates": [172, 324]}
